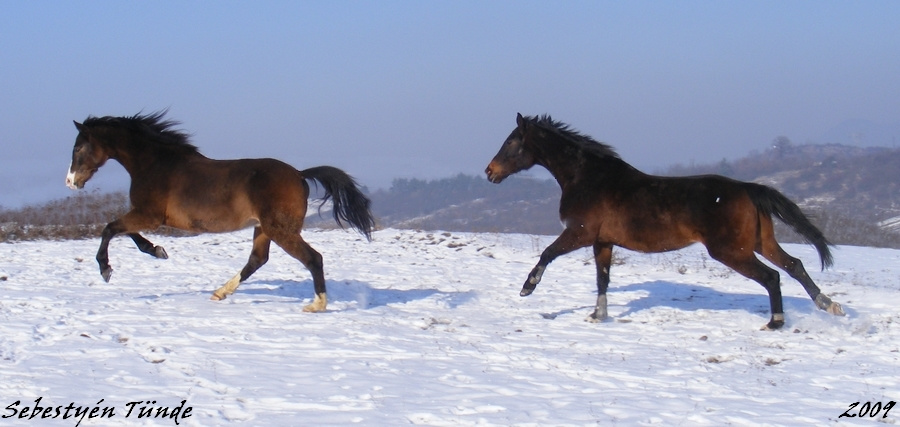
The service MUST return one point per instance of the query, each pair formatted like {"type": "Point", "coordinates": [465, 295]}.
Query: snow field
{"type": "Point", "coordinates": [427, 328]}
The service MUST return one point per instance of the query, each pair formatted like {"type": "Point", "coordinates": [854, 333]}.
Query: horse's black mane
{"type": "Point", "coordinates": [151, 124]}
{"type": "Point", "coordinates": [584, 142]}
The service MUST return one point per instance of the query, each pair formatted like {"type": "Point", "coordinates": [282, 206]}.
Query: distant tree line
{"type": "Point", "coordinates": [75, 217]}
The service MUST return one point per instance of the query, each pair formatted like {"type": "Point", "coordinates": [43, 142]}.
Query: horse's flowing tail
{"type": "Point", "coordinates": [350, 204]}
{"type": "Point", "coordinates": [771, 202]}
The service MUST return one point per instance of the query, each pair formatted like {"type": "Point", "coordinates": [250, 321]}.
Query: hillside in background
{"type": "Point", "coordinates": [852, 193]}
{"type": "Point", "coordinates": [467, 203]}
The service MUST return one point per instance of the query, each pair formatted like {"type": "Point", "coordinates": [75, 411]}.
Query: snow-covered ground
{"type": "Point", "coordinates": [428, 328]}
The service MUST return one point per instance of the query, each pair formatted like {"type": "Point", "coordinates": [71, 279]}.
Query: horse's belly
{"type": "Point", "coordinates": [201, 224]}
{"type": "Point", "coordinates": [656, 248]}
{"type": "Point", "coordinates": [655, 239]}
{"type": "Point", "coordinates": [223, 226]}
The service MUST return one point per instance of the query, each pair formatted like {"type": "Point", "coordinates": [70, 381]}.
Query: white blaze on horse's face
{"type": "Point", "coordinates": [86, 159]}
{"type": "Point", "coordinates": [70, 178]}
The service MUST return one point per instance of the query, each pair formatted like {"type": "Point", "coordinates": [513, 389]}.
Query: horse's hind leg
{"type": "Point", "coordinates": [295, 246]}
{"type": "Point", "coordinates": [749, 266]}
{"type": "Point", "coordinates": [603, 259]}
{"type": "Point", "coordinates": [259, 255]}
{"type": "Point", "coordinates": [148, 247]}
{"type": "Point", "coordinates": [773, 252]}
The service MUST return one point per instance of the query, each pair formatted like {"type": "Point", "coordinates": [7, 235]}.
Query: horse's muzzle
{"type": "Point", "coordinates": [70, 182]}
{"type": "Point", "coordinates": [493, 176]}
{"type": "Point", "coordinates": [76, 183]}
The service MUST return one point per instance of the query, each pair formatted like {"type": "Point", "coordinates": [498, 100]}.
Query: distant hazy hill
{"type": "Point", "coordinates": [471, 204]}
{"type": "Point", "coordinates": [863, 133]}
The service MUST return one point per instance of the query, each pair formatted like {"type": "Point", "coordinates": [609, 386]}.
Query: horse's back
{"type": "Point", "coordinates": [655, 214]}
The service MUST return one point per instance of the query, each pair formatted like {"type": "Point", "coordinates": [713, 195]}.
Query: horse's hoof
{"type": "Point", "coordinates": [775, 323]}
{"type": "Point", "coordinates": [160, 253]}
{"type": "Point", "coordinates": [217, 297]}
{"type": "Point", "coordinates": [315, 307]}
{"type": "Point", "coordinates": [106, 273]}
{"type": "Point", "coordinates": [599, 314]}
{"type": "Point", "coordinates": [835, 309]}
{"type": "Point", "coordinates": [527, 289]}
{"type": "Point", "coordinates": [772, 326]}
{"type": "Point", "coordinates": [593, 318]}
{"type": "Point", "coordinates": [318, 305]}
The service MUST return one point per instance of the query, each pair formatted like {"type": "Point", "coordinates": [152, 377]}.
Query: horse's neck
{"type": "Point", "coordinates": [573, 165]}
{"type": "Point", "coordinates": [566, 165]}
{"type": "Point", "coordinates": [134, 156]}
{"type": "Point", "coordinates": [564, 175]}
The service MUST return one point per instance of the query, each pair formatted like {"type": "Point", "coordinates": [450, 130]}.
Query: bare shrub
{"type": "Point", "coordinates": [76, 217]}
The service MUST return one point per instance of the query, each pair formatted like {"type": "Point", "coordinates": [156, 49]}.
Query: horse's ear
{"type": "Point", "coordinates": [520, 121]}
{"type": "Point", "coordinates": [79, 126]}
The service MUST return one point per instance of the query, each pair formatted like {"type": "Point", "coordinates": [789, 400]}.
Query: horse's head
{"type": "Point", "coordinates": [87, 156]}
{"type": "Point", "coordinates": [513, 156]}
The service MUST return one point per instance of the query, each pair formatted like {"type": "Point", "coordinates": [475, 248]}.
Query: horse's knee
{"type": "Point", "coordinates": [314, 261]}
{"type": "Point", "coordinates": [253, 264]}
{"type": "Point", "coordinates": [258, 261]}
{"type": "Point", "coordinates": [795, 268]}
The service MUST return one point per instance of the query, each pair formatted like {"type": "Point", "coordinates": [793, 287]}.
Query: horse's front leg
{"type": "Point", "coordinates": [567, 242]}
{"type": "Point", "coordinates": [148, 247]}
{"type": "Point", "coordinates": [111, 230]}
{"type": "Point", "coordinates": [603, 259]}
{"type": "Point", "coordinates": [129, 223]}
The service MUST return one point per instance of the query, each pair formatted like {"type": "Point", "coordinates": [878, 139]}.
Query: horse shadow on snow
{"type": "Point", "coordinates": [691, 297]}
{"type": "Point", "coordinates": [344, 291]}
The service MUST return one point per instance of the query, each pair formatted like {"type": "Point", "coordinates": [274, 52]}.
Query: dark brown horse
{"type": "Point", "coordinates": [173, 184]}
{"type": "Point", "coordinates": [606, 202]}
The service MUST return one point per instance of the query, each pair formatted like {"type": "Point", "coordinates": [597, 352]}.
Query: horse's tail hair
{"type": "Point", "coordinates": [350, 204]}
{"type": "Point", "coordinates": [770, 201]}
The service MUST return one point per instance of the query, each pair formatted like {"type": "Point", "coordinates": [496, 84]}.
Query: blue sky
{"type": "Point", "coordinates": [429, 89]}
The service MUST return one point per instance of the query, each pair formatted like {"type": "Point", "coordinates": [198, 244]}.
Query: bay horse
{"type": "Point", "coordinates": [173, 184]}
{"type": "Point", "coordinates": [606, 202]}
